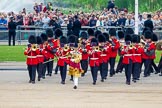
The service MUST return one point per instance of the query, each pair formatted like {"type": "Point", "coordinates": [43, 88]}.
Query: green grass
{"type": "Point", "coordinates": [12, 53]}
{"type": "Point", "coordinates": [16, 53]}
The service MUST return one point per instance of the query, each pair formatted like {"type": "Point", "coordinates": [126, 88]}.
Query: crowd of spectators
{"type": "Point", "coordinates": [46, 16]}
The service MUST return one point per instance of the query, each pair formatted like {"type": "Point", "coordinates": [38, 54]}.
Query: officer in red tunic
{"type": "Point", "coordinates": [91, 34]}
{"type": "Point", "coordinates": [148, 52]}
{"type": "Point", "coordinates": [127, 52]}
{"type": "Point", "coordinates": [40, 58]}
{"type": "Point", "coordinates": [51, 49]}
{"type": "Point", "coordinates": [58, 33]}
{"type": "Point", "coordinates": [115, 46]}
{"type": "Point", "coordinates": [153, 65]}
{"type": "Point", "coordinates": [137, 59]}
{"type": "Point", "coordinates": [120, 65]}
{"type": "Point", "coordinates": [84, 51]}
{"type": "Point", "coordinates": [103, 56]}
{"type": "Point", "coordinates": [94, 56]}
{"type": "Point", "coordinates": [108, 48]}
{"type": "Point", "coordinates": [62, 54]}
{"type": "Point", "coordinates": [31, 52]}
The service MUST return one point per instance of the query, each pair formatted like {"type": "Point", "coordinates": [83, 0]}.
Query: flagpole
{"type": "Point", "coordinates": [136, 17]}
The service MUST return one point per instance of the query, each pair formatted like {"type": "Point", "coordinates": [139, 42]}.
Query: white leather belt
{"type": "Point", "coordinates": [63, 57]}
{"type": "Point", "coordinates": [94, 58]}
{"type": "Point", "coordinates": [39, 55]}
{"type": "Point", "coordinates": [31, 56]}
{"type": "Point", "coordinates": [137, 54]}
{"type": "Point", "coordinates": [128, 55]}
{"type": "Point", "coordinates": [103, 54]}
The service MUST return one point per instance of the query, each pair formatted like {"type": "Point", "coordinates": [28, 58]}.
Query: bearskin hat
{"type": "Point", "coordinates": [129, 31]}
{"type": "Point", "coordinates": [120, 34]}
{"type": "Point", "coordinates": [148, 34]}
{"type": "Point", "coordinates": [32, 39]}
{"type": "Point", "coordinates": [154, 37]}
{"type": "Point", "coordinates": [106, 36]}
{"type": "Point", "coordinates": [101, 38]}
{"type": "Point", "coordinates": [63, 41]}
{"type": "Point", "coordinates": [145, 29]}
{"type": "Point", "coordinates": [39, 40]}
{"type": "Point", "coordinates": [84, 35]}
{"type": "Point", "coordinates": [58, 33]}
{"type": "Point", "coordinates": [112, 32]}
{"type": "Point", "coordinates": [135, 38]}
{"type": "Point", "coordinates": [72, 39]}
{"type": "Point", "coordinates": [44, 37]}
{"type": "Point", "coordinates": [128, 37]}
{"type": "Point", "coordinates": [97, 32]}
{"type": "Point", "coordinates": [90, 32]}
{"type": "Point", "coordinates": [49, 33]}
{"type": "Point", "coordinates": [94, 42]}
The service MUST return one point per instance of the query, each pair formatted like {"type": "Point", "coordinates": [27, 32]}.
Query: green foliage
{"type": "Point", "coordinates": [144, 5]}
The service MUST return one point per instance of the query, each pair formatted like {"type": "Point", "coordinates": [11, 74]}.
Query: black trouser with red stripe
{"type": "Point", "coordinates": [103, 70]}
{"type": "Point", "coordinates": [40, 70]}
{"type": "Point", "coordinates": [120, 65]}
{"type": "Point", "coordinates": [84, 65]}
{"type": "Point", "coordinates": [147, 63]}
{"type": "Point", "coordinates": [32, 72]}
{"type": "Point", "coordinates": [112, 65]}
{"type": "Point", "coordinates": [136, 71]}
{"type": "Point", "coordinates": [128, 71]}
{"type": "Point", "coordinates": [94, 71]}
{"type": "Point", "coordinates": [63, 71]}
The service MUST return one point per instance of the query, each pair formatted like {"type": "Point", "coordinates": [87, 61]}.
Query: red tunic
{"type": "Point", "coordinates": [31, 56]}
{"type": "Point", "coordinates": [40, 56]}
{"type": "Point", "coordinates": [137, 58]}
{"type": "Point", "coordinates": [115, 48]}
{"type": "Point", "coordinates": [127, 55]}
{"type": "Point", "coordinates": [62, 57]}
{"type": "Point", "coordinates": [94, 58]}
{"type": "Point", "coordinates": [150, 47]}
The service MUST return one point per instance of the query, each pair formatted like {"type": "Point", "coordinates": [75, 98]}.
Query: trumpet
{"type": "Point", "coordinates": [66, 48]}
{"type": "Point", "coordinates": [34, 47]}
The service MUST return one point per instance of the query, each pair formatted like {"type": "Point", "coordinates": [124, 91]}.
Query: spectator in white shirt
{"type": "Point", "coordinates": [129, 22]}
{"type": "Point", "coordinates": [45, 21]}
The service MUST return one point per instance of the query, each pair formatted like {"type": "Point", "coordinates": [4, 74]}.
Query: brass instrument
{"type": "Point", "coordinates": [96, 49]}
{"type": "Point", "coordinates": [66, 47]}
{"type": "Point", "coordinates": [159, 46]}
{"type": "Point", "coordinates": [34, 47]}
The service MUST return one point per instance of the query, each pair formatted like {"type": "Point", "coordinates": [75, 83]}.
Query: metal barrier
{"type": "Point", "coordinates": [23, 32]}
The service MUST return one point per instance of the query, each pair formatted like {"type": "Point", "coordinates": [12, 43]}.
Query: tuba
{"type": "Point", "coordinates": [159, 46]}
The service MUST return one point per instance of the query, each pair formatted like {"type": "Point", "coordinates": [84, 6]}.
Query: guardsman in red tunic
{"type": "Point", "coordinates": [148, 52]}
{"type": "Point", "coordinates": [31, 52]}
{"type": "Point", "coordinates": [108, 50]}
{"type": "Point", "coordinates": [51, 49]}
{"type": "Point", "coordinates": [62, 56]}
{"type": "Point", "coordinates": [44, 53]}
{"type": "Point", "coordinates": [58, 33]}
{"type": "Point", "coordinates": [40, 58]}
{"type": "Point", "coordinates": [137, 59]}
{"type": "Point", "coordinates": [83, 48]}
{"type": "Point", "coordinates": [153, 65]}
{"type": "Point", "coordinates": [94, 56]}
{"type": "Point", "coordinates": [91, 34]}
{"type": "Point", "coordinates": [127, 52]}
{"type": "Point", "coordinates": [115, 47]}
{"type": "Point", "coordinates": [120, 65]}
{"type": "Point", "coordinates": [103, 56]}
